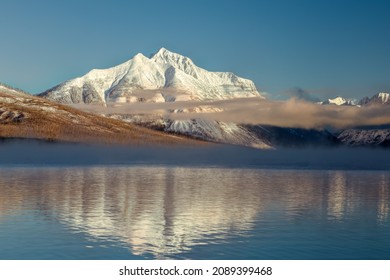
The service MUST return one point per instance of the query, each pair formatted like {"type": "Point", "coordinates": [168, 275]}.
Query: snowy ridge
{"type": "Point", "coordinates": [215, 131]}
{"type": "Point", "coordinates": [384, 97]}
{"type": "Point", "coordinates": [9, 90]}
{"type": "Point", "coordinates": [165, 70]}
{"type": "Point", "coordinates": [255, 136]}
{"type": "Point", "coordinates": [381, 98]}
{"type": "Point", "coordinates": [340, 101]}
{"type": "Point", "coordinates": [198, 128]}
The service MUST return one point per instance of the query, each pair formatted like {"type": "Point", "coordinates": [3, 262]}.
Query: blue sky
{"type": "Point", "coordinates": [318, 48]}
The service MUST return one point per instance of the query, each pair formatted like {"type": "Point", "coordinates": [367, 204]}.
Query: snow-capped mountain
{"type": "Point", "coordinates": [381, 98]}
{"type": "Point", "coordinates": [340, 101]}
{"type": "Point", "coordinates": [169, 77]}
{"type": "Point", "coordinates": [164, 77]}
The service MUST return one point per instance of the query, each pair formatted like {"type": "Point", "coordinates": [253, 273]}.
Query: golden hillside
{"type": "Point", "coordinates": [26, 116]}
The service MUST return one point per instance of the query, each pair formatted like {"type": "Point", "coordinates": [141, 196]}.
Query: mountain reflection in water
{"type": "Point", "coordinates": [170, 212]}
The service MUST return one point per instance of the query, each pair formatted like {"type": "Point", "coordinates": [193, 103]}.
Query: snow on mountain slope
{"type": "Point", "coordinates": [256, 136]}
{"type": "Point", "coordinates": [381, 98]}
{"type": "Point", "coordinates": [9, 90]}
{"type": "Point", "coordinates": [165, 71]}
{"type": "Point", "coordinates": [198, 128]}
{"type": "Point", "coordinates": [215, 131]}
{"type": "Point", "coordinates": [384, 97]}
{"type": "Point", "coordinates": [339, 101]}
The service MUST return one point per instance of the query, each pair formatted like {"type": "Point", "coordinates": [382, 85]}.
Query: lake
{"type": "Point", "coordinates": [169, 211]}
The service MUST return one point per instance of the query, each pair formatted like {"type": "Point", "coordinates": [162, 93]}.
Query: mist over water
{"type": "Point", "coordinates": [36, 153]}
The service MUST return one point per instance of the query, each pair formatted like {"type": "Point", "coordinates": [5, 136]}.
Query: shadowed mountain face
{"type": "Point", "coordinates": [381, 98]}
{"type": "Point", "coordinates": [366, 137]}
{"type": "Point", "coordinates": [293, 137]}
{"type": "Point", "coordinates": [27, 116]}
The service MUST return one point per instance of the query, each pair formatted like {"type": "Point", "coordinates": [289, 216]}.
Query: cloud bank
{"type": "Point", "coordinates": [290, 113]}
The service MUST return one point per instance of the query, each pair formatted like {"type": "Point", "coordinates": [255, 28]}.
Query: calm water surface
{"type": "Point", "coordinates": [193, 213]}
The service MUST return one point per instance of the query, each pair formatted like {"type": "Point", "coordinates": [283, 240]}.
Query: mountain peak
{"type": "Point", "coordinates": [163, 52]}
{"type": "Point", "coordinates": [163, 70]}
{"type": "Point", "coordinates": [172, 58]}
{"type": "Point", "coordinates": [139, 56]}
{"type": "Point", "coordinates": [384, 96]}
{"type": "Point", "coordinates": [339, 100]}
{"type": "Point", "coordinates": [381, 98]}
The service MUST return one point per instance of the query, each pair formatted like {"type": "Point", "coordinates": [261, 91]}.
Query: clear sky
{"type": "Point", "coordinates": [319, 48]}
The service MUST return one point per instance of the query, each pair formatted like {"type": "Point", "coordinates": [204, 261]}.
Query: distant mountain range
{"type": "Point", "coordinates": [381, 98]}
{"type": "Point", "coordinates": [339, 101]}
{"type": "Point", "coordinates": [163, 78]}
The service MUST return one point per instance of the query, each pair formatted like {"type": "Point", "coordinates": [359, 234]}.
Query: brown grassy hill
{"type": "Point", "coordinates": [26, 116]}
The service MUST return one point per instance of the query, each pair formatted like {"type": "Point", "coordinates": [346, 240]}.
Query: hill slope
{"type": "Point", "coordinates": [27, 116]}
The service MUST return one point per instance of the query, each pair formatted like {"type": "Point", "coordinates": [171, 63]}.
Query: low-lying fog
{"type": "Point", "coordinates": [37, 153]}
{"type": "Point", "coordinates": [290, 113]}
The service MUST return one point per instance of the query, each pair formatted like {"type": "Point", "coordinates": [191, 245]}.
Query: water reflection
{"type": "Point", "coordinates": [337, 196]}
{"type": "Point", "coordinates": [383, 201]}
{"type": "Point", "coordinates": [168, 211]}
